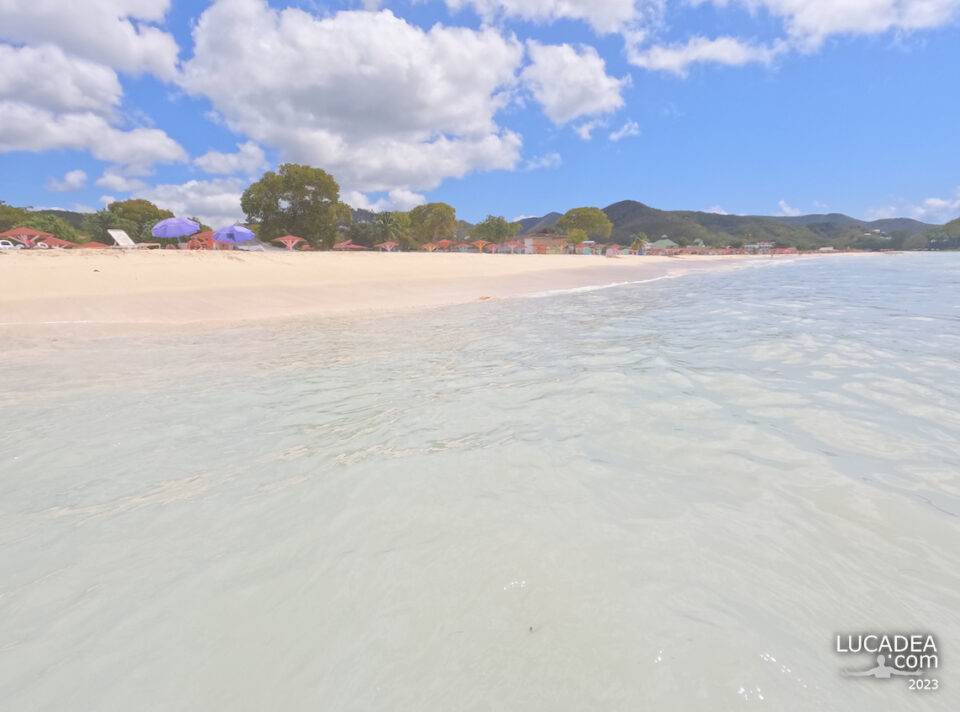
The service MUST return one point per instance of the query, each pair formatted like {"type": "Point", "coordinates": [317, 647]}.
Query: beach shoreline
{"type": "Point", "coordinates": [126, 288]}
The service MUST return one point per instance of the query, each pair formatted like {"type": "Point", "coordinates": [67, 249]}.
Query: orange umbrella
{"type": "Point", "coordinates": [288, 241]}
{"type": "Point", "coordinates": [443, 244]}
{"type": "Point", "coordinates": [480, 244]}
{"type": "Point", "coordinates": [26, 235]}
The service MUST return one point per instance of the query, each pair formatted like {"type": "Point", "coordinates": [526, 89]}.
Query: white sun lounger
{"type": "Point", "coordinates": [124, 241]}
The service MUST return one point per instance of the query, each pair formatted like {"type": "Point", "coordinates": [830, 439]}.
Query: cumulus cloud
{"type": "Point", "coordinates": [677, 58]}
{"type": "Point", "coordinates": [45, 77]}
{"type": "Point", "coordinates": [376, 101]}
{"type": "Point", "coordinates": [631, 128]}
{"type": "Point", "coordinates": [398, 199]}
{"type": "Point", "coordinates": [73, 180]}
{"type": "Point", "coordinates": [27, 128]}
{"type": "Point", "coordinates": [585, 129]}
{"type": "Point", "coordinates": [249, 159]}
{"type": "Point", "coordinates": [114, 179]}
{"type": "Point", "coordinates": [806, 23]}
{"type": "Point", "coordinates": [571, 82]}
{"type": "Point", "coordinates": [118, 33]}
{"type": "Point", "coordinates": [784, 209]}
{"type": "Point", "coordinates": [938, 210]}
{"type": "Point", "coordinates": [716, 209]}
{"type": "Point", "coordinates": [603, 16]}
{"type": "Point", "coordinates": [216, 202]}
{"type": "Point", "coordinates": [547, 160]}
{"type": "Point", "coordinates": [809, 22]}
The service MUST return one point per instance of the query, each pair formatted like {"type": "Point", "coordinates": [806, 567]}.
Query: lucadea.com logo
{"type": "Point", "coordinates": [898, 655]}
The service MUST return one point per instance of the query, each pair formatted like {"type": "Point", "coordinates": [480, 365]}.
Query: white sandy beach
{"type": "Point", "coordinates": [178, 288]}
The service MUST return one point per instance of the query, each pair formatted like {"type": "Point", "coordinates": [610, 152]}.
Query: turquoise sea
{"type": "Point", "coordinates": [671, 495]}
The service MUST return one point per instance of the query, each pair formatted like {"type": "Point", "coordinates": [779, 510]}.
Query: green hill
{"type": "Point", "coordinates": [805, 231]}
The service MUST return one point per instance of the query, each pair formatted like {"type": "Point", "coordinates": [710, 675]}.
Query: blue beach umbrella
{"type": "Point", "coordinates": [234, 234]}
{"type": "Point", "coordinates": [175, 227]}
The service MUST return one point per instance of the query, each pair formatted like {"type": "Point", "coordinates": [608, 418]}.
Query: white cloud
{"type": "Point", "coordinates": [570, 82]}
{"type": "Point", "coordinates": [379, 103]}
{"type": "Point", "coordinates": [118, 33]}
{"type": "Point", "coordinates": [27, 128]}
{"type": "Point", "coordinates": [938, 210]}
{"type": "Point", "coordinates": [45, 77]}
{"type": "Point", "coordinates": [631, 128]}
{"type": "Point", "coordinates": [107, 199]}
{"type": "Point", "coordinates": [547, 160]}
{"type": "Point", "coordinates": [677, 58]}
{"type": "Point", "coordinates": [398, 199]}
{"type": "Point", "coordinates": [884, 212]}
{"type": "Point", "coordinates": [716, 209]}
{"type": "Point", "coordinates": [216, 202]}
{"type": "Point", "coordinates": [249, 160]}
{"type": "Point", "coordinates": [585, 129]}
{"type": "Point", "coordinates": [73, 180]}
{"type": "Point", "coordinates": [114, 179]}
{"type": "Point", "coordinates": [784, 209]}
{"type": "Point", "coordinates": [603, 16]}
{"type": "Point", "coordinates": [809, 22]}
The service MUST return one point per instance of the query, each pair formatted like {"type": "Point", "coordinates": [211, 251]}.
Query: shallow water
{"type": "Point", "coordinates": [670, 495]}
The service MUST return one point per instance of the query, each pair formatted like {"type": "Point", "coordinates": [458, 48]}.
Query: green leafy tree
{"type": "Point", "coordinates": [297, 200]}
{"type": "Point", "coordinates": [363, 234]}
{"type": "Point", "coordinates": [515, 229]}
{"type": "Point", "coordinates": [11, 217]}
{"type": "Point", "coordinates": [203, 227]}
{"type": "Point", "coordinates": [494, 228]}
{"type": "Point", "coordinates": [640, 242]}
{"type": "Point", "coordinates": [95, 226]}
{"type": "Point", "coordinates": [432, 222]}
{"type": "Point", "coordinates": [576, 236]}
{"type": "Point", "coordinates": [915, 242]}
{"type": "Point", "coordinates": [593, 221]}
{"type": "Point", "coordinates": [54, 225]}
{"type": "Point", "coordinates": [142, 213]}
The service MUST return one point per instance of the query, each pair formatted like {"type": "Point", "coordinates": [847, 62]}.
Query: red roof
{"type": "Point", "coordinates": [25, 232]}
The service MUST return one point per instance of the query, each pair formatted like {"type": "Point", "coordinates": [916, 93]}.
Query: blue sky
{"type": "Point", "coordinates": [512, 107]}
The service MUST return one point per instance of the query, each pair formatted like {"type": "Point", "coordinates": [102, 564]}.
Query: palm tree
{"type": "Point", "coordinates": [639, 242]}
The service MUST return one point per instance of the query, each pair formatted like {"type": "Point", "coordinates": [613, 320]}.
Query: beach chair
{"type": "Point", "coordinates": [124, 241]}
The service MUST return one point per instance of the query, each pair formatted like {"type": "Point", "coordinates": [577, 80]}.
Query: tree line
{"type": "Point", "coordinates": [305, 201]}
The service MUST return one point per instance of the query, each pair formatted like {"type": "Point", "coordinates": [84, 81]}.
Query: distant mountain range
{"type": "Point", "coordinates": [630, 217]}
